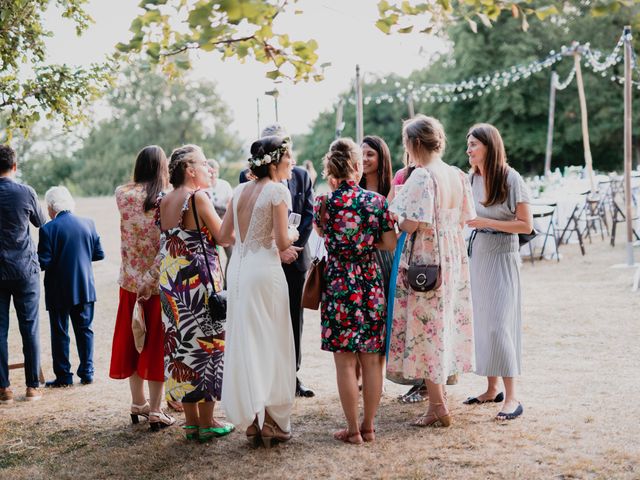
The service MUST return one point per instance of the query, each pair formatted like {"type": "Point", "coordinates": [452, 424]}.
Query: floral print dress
{"type": "Point", "coordinates": [432, 332]}
{"type": "Point", "coordinates": [353, 304]}
{"type": "Point", "coordinates": [193, 345]}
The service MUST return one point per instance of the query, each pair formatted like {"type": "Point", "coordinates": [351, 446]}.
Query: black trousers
{"type": "Point", "coordinates": [295, 281]}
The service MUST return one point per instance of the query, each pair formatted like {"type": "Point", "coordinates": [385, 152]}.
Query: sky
{"type": "Point", "coordinates": [345, 31]}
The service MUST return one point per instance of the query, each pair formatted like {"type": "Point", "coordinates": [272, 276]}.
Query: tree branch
{"type": "Point", "coordinates": [192, 47]}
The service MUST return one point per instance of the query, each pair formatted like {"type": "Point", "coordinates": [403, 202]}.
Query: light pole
{"type": "Point", "coordinates": [275, 94]}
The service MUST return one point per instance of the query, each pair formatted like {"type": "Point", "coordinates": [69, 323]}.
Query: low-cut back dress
{"type": "Point", "coordinates": [260, 356]}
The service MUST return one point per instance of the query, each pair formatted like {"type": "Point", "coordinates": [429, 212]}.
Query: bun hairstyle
{"type": "Point", "coordinates": [181, 158]}
{"type": "Point", "coordinates": [267, 151]}
{"type": "Point", "coordinates": [496, 168]}
{"type": "Point", "coordinates": [342, 159]}
{"type": "Point", "coordinates": [424, 136]}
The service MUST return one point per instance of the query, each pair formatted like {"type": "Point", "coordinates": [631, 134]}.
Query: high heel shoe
{"type": "Point", "coordinates": [158, 420]}
{"type": "Point", "coordinates": [272, 435]}
{"type": "Point", "coordinates": [253, 433]}
{"type": "Point", "coordinates": [433, 419]}
{"type": "Point", "coordinates": [139, 411]}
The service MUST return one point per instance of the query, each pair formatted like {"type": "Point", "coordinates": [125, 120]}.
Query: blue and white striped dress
{"type": "Point", "coordinates": [495, 285]}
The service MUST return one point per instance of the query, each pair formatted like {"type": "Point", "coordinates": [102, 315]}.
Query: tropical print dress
{"type": "Point", "coordinates": [193, 345]}
{"type": "Point", "coordinates": [432, 332]}
{"type": "Point", "coordinates": [353, 303]}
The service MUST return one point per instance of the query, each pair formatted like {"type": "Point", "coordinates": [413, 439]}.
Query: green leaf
{"type": "Point", "coordinates": [273, 74]}
{"type": "Point", "coordinates": [383, 26]}
{"type": "Point", "coordinates": [406, 29]}
{"type": "Point", "coordinates": [544, 12]}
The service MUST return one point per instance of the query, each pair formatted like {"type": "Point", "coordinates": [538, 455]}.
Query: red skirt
{"type": "Point", "coordinates": [125, 359]}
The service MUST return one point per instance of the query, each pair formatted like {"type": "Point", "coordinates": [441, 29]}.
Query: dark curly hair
{"type": "Point", "coordinates": [262, 147]}
{"type": "Point", "coordinates": [7, 158]}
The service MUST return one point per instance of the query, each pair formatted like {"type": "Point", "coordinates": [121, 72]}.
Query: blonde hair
{"type": "Point", "coordinates": [424, 136]}
{"type": "Point", "coordinates": [341, 161]}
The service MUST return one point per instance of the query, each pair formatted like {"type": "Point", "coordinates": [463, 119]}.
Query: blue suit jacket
{"type": "Point", "coordinates": [301, 202]}
{"type": "Point", "coordinates": [67, 246]}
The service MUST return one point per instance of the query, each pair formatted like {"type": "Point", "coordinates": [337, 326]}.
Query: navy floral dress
{"type": "Point", "coordinates": [353, 304]}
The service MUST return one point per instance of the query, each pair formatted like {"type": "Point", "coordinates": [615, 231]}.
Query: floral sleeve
{"type": "Point", "coordinates": [415, 200]}
{"type": "Point", "coordinates": [316, 210]}
{"type": "Point", "coordinates": [386, 219]}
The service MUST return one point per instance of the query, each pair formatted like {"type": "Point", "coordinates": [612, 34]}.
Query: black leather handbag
{"type": "Point", "coordinates": [217, 301]}
{"type": "Point", "coordinates": [424, 278]}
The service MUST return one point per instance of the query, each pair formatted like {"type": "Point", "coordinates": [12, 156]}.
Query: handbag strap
{"type": "Point", "coordinates": [204, 250]}
{"type": "Point", "coordinates": [435, 224]}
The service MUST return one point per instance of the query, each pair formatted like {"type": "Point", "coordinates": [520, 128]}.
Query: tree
{"type": "Point", "coordinates": [145, 109]}
{"type": "Point", "coordinates": [401, 15]}
{"type": "Point", "coordinates": [233, 28]}
{"type": "Point", "coordinates": [519, 111]}
{"type": "Point", "coordinates": [31, 87]}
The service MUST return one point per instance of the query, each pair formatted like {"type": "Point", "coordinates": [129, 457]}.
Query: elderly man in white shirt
{"type": "Point", "coordinates": [220, 191]}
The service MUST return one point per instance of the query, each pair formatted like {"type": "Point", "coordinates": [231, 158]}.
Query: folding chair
{"type": "Point", "coordinates": [542, 212]}
{"type": "Point", "coordinates": [574, 219]}
{"type": "Point", "coordinates": [595, 216]}
{"type": "Point", "coordinates": [618, 216]}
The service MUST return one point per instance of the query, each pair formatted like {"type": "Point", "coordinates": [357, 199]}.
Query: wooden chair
{"type": "Point", "coordinates": [14, 366]}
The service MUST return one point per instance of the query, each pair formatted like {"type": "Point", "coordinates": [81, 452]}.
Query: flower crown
{"type": "Point", "coordinates": [273, 157]}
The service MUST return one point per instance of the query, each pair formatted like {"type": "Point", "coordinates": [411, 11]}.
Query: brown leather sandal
{"type": "Point", "coordinates": [346, 436]}
{"type": "Point", "coordinates": [433, 419]}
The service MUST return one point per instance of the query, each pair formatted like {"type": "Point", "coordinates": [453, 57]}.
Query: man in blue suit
{"type": "Point", "coordinates": [296, 259]}
{"type": "Point", "coordinates": [67, 246]}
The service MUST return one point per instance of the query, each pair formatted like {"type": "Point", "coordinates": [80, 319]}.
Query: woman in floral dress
{"type": "Point", "coordinates": [193, 344]}
{"type": "Point", "coordinates": [354, 223]}
{"type": "Point", "coordinates": [432, 332]}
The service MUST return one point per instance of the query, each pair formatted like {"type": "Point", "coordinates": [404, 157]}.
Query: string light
{"type": "Point", "coordinates": [490, 82]}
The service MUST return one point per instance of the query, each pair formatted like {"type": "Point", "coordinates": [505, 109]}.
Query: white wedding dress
{"type": "Point", "coordinates": [259, 359]}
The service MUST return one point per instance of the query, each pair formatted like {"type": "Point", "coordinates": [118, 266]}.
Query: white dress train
{"type": "Point", "coordinates": [259, 358]}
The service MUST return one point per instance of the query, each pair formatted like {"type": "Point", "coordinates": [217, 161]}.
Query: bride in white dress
{"type": "Point", "coordinates": [258, 387]}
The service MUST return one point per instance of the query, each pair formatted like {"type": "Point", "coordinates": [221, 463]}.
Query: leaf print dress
{"type": "Point", "coordinates": [353, 304]}
{"type": "Point", "coordinates": [193, 345]}
{"type": "Point", "coordinates": [432, 332]}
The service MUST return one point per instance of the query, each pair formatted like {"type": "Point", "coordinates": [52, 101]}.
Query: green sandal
{"type": "Point", "coordinates": [208, 433]}
{"type": "Point", "coordinates": [191, 432]}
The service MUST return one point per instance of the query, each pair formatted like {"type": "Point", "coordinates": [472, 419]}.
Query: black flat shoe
{"type": "Point", "coordinates": [302, 391]}
{"type": "Point", "coordinates": [511, 416]}
{"type": "Point", "coordinates": [57, 384]}
{"type": "Point", "coordinates": [475, 401]}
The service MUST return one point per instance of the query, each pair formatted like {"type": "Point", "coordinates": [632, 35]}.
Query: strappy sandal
{"type": "Point", "coordinates": [138, 411]}
{"type": "Point", "coordinates": [432, 419]}
{"type": "Point", "coordinates": [205, 434]}
{"type": "Point", "coordinates": [253, 433]}
{"type": "Point", "coordinates": [354, 438]}
{"type": "Point", "coordinates": [368, 436]}
{"type": "Point", "coordinates": [275, 436]}
{"type": "Point", "coordinates": [159, 420]}
{"type": "Point", "coordinates": [191, 432]}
